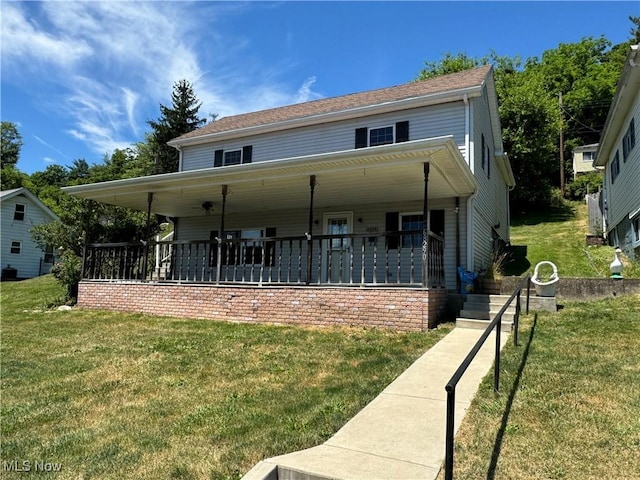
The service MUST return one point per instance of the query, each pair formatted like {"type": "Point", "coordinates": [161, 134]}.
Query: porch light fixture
{"type": "Point", "coordinates": [207, 207]}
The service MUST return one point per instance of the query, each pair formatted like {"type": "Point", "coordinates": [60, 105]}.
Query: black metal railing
{"type": "Point", "coordinates": [450, 388]}
{"type": "Point", "coordinates": [351, 259]}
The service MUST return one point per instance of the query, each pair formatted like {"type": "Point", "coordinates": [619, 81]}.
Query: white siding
{"type": "Point", "coordinates": [28, 261]}
{"type": "Point", "coordinates": [623, 196]}
{"type": "Point", "coordinates": [490, 205]}
{"type": "Point", "coordinates": [427, 122]}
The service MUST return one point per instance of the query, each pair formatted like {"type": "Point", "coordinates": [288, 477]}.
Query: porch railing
{"type": "Point", "coordinates": [351, 259]}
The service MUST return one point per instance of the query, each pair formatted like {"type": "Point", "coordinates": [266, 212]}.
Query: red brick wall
{"type": "Point", "coordinates": [407, 309]}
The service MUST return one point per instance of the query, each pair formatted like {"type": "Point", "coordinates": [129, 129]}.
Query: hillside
{"type": "Point", "coordinates": [558, 234]}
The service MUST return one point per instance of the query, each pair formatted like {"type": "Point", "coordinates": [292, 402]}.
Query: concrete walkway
{"type": "Point", "coordinates": [401, 433]}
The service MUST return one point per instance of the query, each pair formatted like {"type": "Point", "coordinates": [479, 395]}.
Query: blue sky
{"type": "Point", "coordinates": [82, 78]}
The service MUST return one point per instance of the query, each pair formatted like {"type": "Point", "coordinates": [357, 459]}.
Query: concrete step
{"type": "Point", "coordinates": [477, 324]}
{"type": "Point", "coordinates": [486, 314]}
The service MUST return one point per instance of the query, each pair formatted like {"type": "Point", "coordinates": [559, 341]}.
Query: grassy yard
{"type": "Point", "coordinates": [115, 396]}
{"type": "Point", "coordinates": [558, 234]}
{"type": "Point", "coordinates": [569, 405]}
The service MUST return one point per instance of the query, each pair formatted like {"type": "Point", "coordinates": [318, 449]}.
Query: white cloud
{"type": "Point", "coordinates": [305, 93]}
{"type": "Point", "coordinates": [114, 62]}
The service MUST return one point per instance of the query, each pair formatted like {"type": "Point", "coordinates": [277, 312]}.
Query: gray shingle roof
{"type": "Point", "coordinates": [441, 84]}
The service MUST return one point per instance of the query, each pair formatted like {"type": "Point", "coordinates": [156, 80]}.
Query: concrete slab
{"type": "Point", "coordinates": [401, 433]}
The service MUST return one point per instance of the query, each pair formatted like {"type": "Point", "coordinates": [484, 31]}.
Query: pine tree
{"type": "Point", "coordinates": [180, 118]}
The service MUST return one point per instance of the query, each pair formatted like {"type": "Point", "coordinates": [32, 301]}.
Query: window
{"type": "Point", "coordinates": [629, 140]}
{"type": "Point", "coordinates": [615, 167]}
{"type": "Point", "coordinates": [370, 137]}
{"type": "Point", "coordinates": [588, 156]}
{"type": "Point", "coordinates": [244, 253]}
{"type": "Point", "coordinates": [412, 221]}
{"type": "Point", "coordinates": [233, 157]}
{"type": "Point", "coordinates": [19, 212]}
{"type": "Point", "coordinates": [380, 136]}
{"type": "Point", "coordinates": [636, 229]}
{"type": "Point", "coordinates": [16, 247]}
{"type": "Point", "coordinates": [486, 157]}
{"type": "Point", "coordinates": [484, 154]}
{"type": "Point", "coordinates": [48, 255]}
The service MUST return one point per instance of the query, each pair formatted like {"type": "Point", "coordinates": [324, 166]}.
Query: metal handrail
{"type": "Point", "coordinates": [450, 388]}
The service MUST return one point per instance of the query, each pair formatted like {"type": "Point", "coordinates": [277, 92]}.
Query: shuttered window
{"type": "Point", "coordinates": [384, 135]}
{"type": "Point", "coordinates": [233, 157]}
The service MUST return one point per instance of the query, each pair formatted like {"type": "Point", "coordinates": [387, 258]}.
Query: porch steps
{"type": "Point", "coordinates": [479, 309]}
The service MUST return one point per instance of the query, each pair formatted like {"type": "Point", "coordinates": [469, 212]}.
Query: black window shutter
{"type": "Point", "coordinates": [392, 224]}
{"type": "Point", "coordinates": [361, 137]}
{"type": "Point", "coordinates": [270, 247]}
{"type": "Point", "coordinates": [402, 132]}
{"type": "Point", "coordinates": [217, 159]}
{"type": "Point", "coordinates": [247, 152]}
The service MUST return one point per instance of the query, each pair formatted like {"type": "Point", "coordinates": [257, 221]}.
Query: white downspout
{"type": "Point", "coordinates": [177, 147]}
{"type": "Point", "coordinates": [469, 153]}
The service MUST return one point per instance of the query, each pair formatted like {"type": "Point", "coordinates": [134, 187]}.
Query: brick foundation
{"type": "Point", "coordinates": [406, 309]}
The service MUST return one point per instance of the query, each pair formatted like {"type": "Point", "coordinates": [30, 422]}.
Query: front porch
{"type": "Point", "coordinates": [345, 234]}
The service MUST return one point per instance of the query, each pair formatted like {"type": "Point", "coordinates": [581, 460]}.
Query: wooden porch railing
{"type": "Point", "coordinates": [352, 259]}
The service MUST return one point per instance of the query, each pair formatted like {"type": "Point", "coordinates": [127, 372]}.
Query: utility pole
{"type": "Point", "coordinates": [561, 146]}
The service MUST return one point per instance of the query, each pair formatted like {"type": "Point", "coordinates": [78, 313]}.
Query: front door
{"type": "Point", "coordinates": [337, 251]}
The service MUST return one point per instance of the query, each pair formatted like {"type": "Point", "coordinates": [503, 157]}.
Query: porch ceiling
{"type": "Point", "coordinates": [361, 176]}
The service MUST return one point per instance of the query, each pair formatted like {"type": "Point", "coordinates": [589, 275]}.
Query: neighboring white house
{"type": "Point", "coordinates": [619, 153]}
{"type": "Point", "coordinates": [583, 157]}
{"type": "Point", "coordinates": [332, 192]}
{"type": "Point", "coordinates": [21, 256]}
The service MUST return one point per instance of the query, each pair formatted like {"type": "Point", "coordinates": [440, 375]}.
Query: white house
{"type": "Point", "coordinates": [619, 154]}
{"type": "Point", "coordinates": [583, 157]}
{"type": "Point", "coordinates": [319, 196]}
{"type": "Point", "coordinates": [21, 256]}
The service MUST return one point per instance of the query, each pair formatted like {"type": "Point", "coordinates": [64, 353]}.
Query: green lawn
{"type": "Point", "coordinates": [569, 405]}
{"type": "Point", "coordinates": [558, 234]}
{"type": "Point", "coordinates": [116, 396]}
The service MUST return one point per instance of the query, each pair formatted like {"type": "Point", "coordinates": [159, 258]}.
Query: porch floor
{"type": "Point", "coordinates": [401, 433]}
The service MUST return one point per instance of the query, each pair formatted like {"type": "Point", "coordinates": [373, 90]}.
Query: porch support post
{"type": "Point", "coordinates": [425, 228]}
{"type": "Point", "coordinates": [147, 233]}
{"type": "Point", "coordinates": [225, 190]}
{"type": "Point", "coordinates": [312, 187]}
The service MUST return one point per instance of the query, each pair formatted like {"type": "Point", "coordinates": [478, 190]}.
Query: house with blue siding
{"type": "Point", "coordinates": [385, 192]}
{"type": "Point", "coordinates": [21, 256]}
{"type": "Point", "coordinates": [619, 155]}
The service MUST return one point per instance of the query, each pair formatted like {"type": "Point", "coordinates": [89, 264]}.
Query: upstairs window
{"type": "Point", "coordinates": [233, 157]}
{"type": "Point", "coordinates": [370, 137]}
{"type": "Point", "coordinates": [486, 157]}
{"type": "Point", "coordinates": [18, 213]}
{"type": "Point", "coordinates": [380, 136]}
{"type": "Point", "coordinates": [629, 140]}
{"type": "Point", "coordinates": [588, 156]}
{"type": "Point", "coordinates": [615, 167]}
